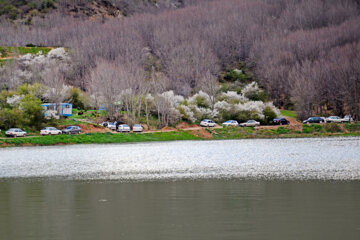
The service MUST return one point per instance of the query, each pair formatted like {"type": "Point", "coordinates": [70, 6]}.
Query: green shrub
{"type": "Point", "coordinates": [10, 118]}
{"type": "Point", "coordinates": [257, 96]}
{"type": "Point", "coordinates": [282, 130]}
{"type": "Point", "coordinates": [269, 115]}
{"type": "Point", "coordinates": [353, 127]}
{"type": "Point", "coordinates": [312, 128]}
{"type": "Point", "coordinates": [332, 127]}
{"type": "Point", "coordinates": [3, 52]}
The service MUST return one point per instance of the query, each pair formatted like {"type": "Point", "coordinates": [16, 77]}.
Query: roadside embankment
{"type": "Point", "coordinates": [313, 130]}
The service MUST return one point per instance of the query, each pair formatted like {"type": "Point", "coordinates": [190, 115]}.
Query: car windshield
{"type": "Point", "coordinates": [137, 125]}
{"type": "Point", "coordinates": [12, 129]}
{"type": "Point", "coordinates": [69, 128]}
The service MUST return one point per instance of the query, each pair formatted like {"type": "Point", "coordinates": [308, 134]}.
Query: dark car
{"type": "Point", "coordinates": [280, 121]}
{"type": "Point", "coordinates": [314, 120]}
{"type": "Point", "coordinates": [72, 130]}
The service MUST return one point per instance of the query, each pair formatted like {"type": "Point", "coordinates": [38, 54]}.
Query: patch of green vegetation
{"type": "Point", "coordinates": [87, 114]}
{"type": "Point", "coordinates": [15, 9]}
{"type": "Point", "coordinates": [282, 130]}
{"type": "Point", "coordinates": [352, 127]}
{"type": "Point", "coordinates": [288, 113]}
{"type": "Point", "coordinates": [25, 50]}
{"type": "Point", "coordinates": [332, 127]}
{"type": "Point", "coordinates": [239, 73]}
{"type": "Point", "coordinates": [5, 61]}
{"type": "Point", "coordinates": [101, 138]}
{"type": "Point", "coordinates": [312, 128]}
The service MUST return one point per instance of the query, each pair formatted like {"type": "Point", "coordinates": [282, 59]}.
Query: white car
{"type": "Point", "coordinates": [334, 119]}
{"type": "Point", "coordinates": [207, 123]}
{"type": "Point", "coordinates": [123, 128]}
{"type": "Point", "coordinates": [138, 128]}
{"type": "Point", "coordinates": [50, 131]}
{"type": "Point", "coordinates": [250, 123]}
{"type": "Point", "coordinates": [15, 132]}
{"type": "Point", "coordinates": [111, 126]}
{"type": "Point", "coordinates": [233, 123]}
{"type": "Point", "coordinates": [348, 118]}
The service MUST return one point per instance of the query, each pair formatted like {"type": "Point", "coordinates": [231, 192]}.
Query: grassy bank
{"type": "Point", "coordinates": [314, 130]}
{"type": "Point", "coordinates": [97, 138]}
{"type": "Point", "coordinates": [282, 132]}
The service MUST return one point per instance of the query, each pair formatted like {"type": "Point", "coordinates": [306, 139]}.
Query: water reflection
{"type": "Point", "coordinates": [211, 209]}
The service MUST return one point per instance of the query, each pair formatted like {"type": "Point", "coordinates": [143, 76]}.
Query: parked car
{"type": "Point", "coordinates": [348, 118]}
{"type": "Point", "coordinates": [111, 126]}
{"type": "Point", "coordinates": [50, 131]}
{"type": "Point", "coordinates": [104, 124]}
{"type": "Point", "coordinates": [314, 120]}
{"type": "Point", "coordinates": [138, 128]}
{"type": "Point", "coordinates": [207, 123]}
{"type": "Point", "coordinates": [334, 119]}
{"type": "Point", "coordinates": [123, 128]}
{"type": "Point", "coordinates": [233, 123]}
{"type": "Point", "coordinates": [250, 123]}
{"type": "Point", "coordinates": [15, 132]}
{"type": "Point", "coordinates": [72, 130]}
{"type": "Point", "coordinates": [280, 121]}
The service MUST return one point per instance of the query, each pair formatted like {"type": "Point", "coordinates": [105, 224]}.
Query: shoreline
{"type": "Point", "coordinates": [179, 135]}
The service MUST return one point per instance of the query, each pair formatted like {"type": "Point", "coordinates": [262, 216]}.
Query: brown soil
{"type": "Point", "coordinates": [294, 125]}
{"type": "Point", "coordinates": [185, 125]}
{"type": "Point", "coordinates": [27, 144]}
{"type": "Point", "coordinates": [202, 133]}
{"type": "Point", "coordinates": [165, 129]}
{"type": "Point", "coordinates": [88, 128]}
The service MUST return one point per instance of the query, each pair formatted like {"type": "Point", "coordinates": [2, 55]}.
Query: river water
{"type": "Point", "coordinates": [235, 189]}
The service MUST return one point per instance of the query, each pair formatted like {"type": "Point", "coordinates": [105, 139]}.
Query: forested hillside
{"type": "Point", "coordinates": [305, 54]}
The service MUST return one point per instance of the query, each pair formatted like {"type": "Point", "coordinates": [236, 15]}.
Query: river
{"type": "Point", "coordinates": [234, 189]}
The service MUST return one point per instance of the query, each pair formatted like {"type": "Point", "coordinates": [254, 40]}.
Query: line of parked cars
{"type": "Point", "coordinates": [122, 127]}
{"type": "Point", "coordinates": [249, 123]}
{"type": "Point", "coordinates": [331, 119]}
{"type": "Point", "coordinates": [17, 132]}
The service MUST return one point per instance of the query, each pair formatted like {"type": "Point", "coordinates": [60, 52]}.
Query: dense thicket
{"type": "Point", "coordinates": [305, 53]}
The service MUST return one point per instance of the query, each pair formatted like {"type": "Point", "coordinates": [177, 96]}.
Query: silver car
{"type": "Point", "coordinates": [233, 123]}
{"type": "Point", "coordinates": [50, 131]}
{"type": "Point", "coordinates": [334, 119]}
{"type": "Point", "coordinates": [207, 123]}
{"type": "Point", "coordinates": [15, 132]}
{"type": "Point", "coordinates": [250, 123]}
{"type": "Point", "coordinates": [123, 128]}
{"type": "Point", "coordinates": [138, 128]}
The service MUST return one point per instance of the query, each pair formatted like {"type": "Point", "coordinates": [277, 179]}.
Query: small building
{"type": "Point", "coordinates": [52, 110]}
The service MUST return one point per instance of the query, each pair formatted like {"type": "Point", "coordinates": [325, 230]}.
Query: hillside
{"type": "Point", "coordinates": [303, 55]}
{"type": "Point", "coordinates": [25, 10]}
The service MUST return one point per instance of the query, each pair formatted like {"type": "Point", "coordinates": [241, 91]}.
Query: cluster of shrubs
{"type": "Point", "coordinates": [14, 9]}
{"type": "Point", "coordinates": [22, 108]}
{"type": "Point", "coordinates": [226, 105]}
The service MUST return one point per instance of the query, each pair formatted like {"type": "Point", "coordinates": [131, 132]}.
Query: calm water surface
{"type": "Point", "coordinates": [243, 189]}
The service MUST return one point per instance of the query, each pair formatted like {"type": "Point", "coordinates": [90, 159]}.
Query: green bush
{"type": "Point", "coordinates": [312, 128]}
{"type": "Point", "coordinates": [3, 52]}
{"type": "Point", "coordinates": [10, 118]}
{"type": "Point", "coordinates": [332, 127]}
{"type": "Point", "coordinates": [269, 115]}
{"type": "Point", "coordinates": [353, 127]}
{"type": "Point", "coordinates": [282, 130]}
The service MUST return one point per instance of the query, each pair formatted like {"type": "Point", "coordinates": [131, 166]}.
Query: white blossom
{"type": "Point", "coordinates": [13, 100]}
